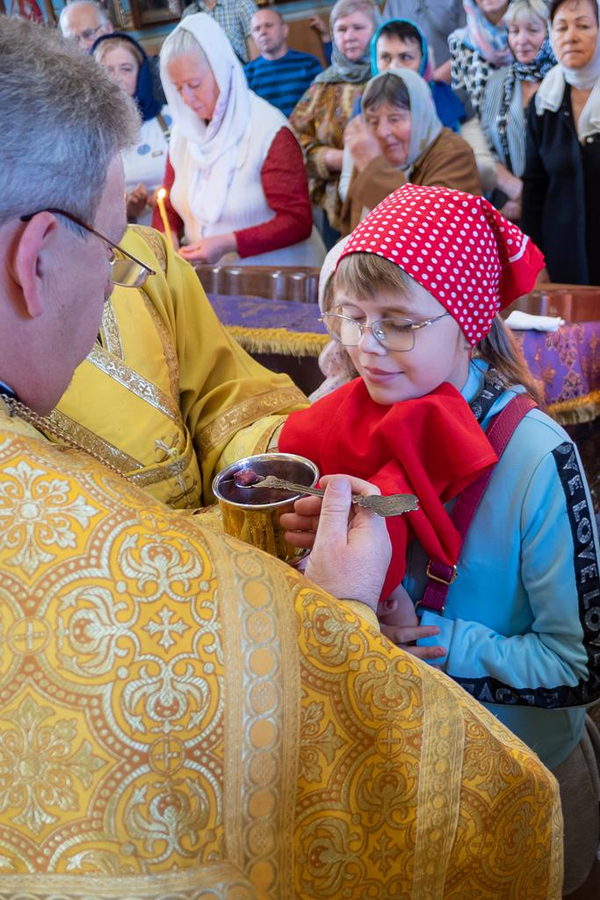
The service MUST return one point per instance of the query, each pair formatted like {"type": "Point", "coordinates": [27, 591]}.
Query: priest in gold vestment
{"type": "Point", "coordinates": [182, 716]}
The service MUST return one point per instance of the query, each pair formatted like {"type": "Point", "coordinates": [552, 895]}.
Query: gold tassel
{"type": "Point", "coordinates": [577, 410]}
{"type": "Point", "coordinates": [278, 340]}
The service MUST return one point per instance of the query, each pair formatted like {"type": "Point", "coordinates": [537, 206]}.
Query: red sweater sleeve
{"type": "Point", "coordinates": [175, 222]}
{"type": "Point", "coordinates": [285, 184]}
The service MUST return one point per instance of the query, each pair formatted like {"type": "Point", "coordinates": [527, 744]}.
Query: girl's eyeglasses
{"type": "Point", "coordinates": [394, 334]}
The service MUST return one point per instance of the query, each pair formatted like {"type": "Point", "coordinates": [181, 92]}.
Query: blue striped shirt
{"type": "Point", "coordinates": [283, 81]}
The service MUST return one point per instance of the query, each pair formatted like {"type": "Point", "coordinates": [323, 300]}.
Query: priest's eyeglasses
{"type": "Point", "coordinates": [129, 272]}
{"type": "Point", "coordinates": [394, 334]}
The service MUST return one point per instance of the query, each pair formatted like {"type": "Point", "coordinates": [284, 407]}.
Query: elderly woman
{"type": "Point", "coordinates": [235, 174]}
{"type": "Point", "coordinates": [398, 44]}
{"type": "Point", "coordinates": [561, 182]}
{"type": "Point", "coordinates": [409, 144]}
{"type": "Point", "coordinates": [508, 93]}
{"type": "Point", "coordinates": [322, 114]}
{"type": "Point", "coordinates": [127, 63]}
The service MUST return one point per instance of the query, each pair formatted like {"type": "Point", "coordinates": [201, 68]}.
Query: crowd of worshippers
{"type": "Point", "coordinates": [413, 169]}
{"type": "Point", "coordinates": [271, 159]}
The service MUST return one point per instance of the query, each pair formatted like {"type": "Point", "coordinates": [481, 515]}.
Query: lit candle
{"type": "Point", "coordinates": [160, 199]}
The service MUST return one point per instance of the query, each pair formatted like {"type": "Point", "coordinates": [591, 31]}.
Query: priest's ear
{"type": "Point", "coordinates": [34, 257]}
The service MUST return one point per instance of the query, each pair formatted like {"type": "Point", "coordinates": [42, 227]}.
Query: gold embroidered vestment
{"type": "Point", "coordinates": [182, 716]}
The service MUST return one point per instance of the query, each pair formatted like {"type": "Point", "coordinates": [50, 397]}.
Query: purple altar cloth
{"type": "Point", "coordinates": [566, 361]}
{"type": "Point", "coordinates": [256, 312]}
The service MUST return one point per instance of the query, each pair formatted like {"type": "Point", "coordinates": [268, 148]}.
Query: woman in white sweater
{"type": "Point", "coordinates": [235, 175]}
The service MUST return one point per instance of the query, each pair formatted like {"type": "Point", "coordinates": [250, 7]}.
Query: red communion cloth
{"type": "Point", "coordinates": [458, 247]}
{"type": "Point", "coordinates": [431, 446]}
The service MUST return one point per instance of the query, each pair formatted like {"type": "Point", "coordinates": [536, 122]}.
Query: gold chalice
{"type": "Point", "coordinates": [253, 515]}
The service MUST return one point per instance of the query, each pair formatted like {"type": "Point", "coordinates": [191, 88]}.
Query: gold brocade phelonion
{"type": "Point", "coordinates": [43, 424]}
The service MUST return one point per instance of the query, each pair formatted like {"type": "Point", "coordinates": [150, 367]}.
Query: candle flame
{"type": "Point", "coordinates": [161, 194]}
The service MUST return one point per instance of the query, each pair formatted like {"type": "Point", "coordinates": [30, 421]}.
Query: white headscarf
{"type": "Point", "coordinates": [328, 268]}
{"type": "Point", "coordinates": [334, 361]}
{"type": "Point", "coordinates": [218, 147]}
{"type": "Point", "coordinates": [425, 124]}
{"type": "Point", "coordinates": [552, 89]}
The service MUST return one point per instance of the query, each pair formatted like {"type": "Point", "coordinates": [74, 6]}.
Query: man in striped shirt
{"type": "Point", "coordinates": [279, 75]}
{"type": "Point", "coordinates": [234, 18]}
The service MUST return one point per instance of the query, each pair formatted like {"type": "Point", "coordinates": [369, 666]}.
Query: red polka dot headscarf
{"type": "Point", "coordinates": [458, 247]}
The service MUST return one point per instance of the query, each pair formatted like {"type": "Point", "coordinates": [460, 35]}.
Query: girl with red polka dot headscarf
{"type": "Point", "coordinates": [415, 302]}
{"type": "Point", "coordinates": [418, 284]}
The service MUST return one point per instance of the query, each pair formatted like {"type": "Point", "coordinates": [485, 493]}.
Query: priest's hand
{"type": "Point", "coordinates": [351, 549]}
{"type": "Point", "coordinates": [209, 250]}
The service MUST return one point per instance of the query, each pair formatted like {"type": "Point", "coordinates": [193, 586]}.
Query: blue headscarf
{"type": "Point", "coordinates": [148, 105]}
{"type": "Point", "coordinates": [423, 68]}
{"type": "Point", "coordinates": [449, 108]}
{"type": "Point", "coordinates": [537, 69]}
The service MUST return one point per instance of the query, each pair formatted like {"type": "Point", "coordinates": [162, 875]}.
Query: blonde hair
{"type": "Point", "coordinates": [347, 7]}
{"type": "Point", "coordinates": [368, 275]}
{"type": "Point", "coordinates": [106, 46]}
{"type": "Point", "coordinates": [526, 9]}
{"type": "Point", "coordinates": [500, 350]}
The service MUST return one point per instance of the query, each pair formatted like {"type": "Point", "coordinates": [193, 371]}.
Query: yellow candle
{"type": "Point", "coordinates": [160, 199]}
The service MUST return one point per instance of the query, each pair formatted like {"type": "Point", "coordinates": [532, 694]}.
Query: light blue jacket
{"type": "Point", "coordinates": [522, 620]}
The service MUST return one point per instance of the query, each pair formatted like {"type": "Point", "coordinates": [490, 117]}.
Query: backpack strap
{"type": "Point", "coordinates": [499, 434]}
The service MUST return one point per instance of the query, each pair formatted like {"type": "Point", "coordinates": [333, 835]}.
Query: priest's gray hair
{"type": "Point", "coordinates": [62, 121]}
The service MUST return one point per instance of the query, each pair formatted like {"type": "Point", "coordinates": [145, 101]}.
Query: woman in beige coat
{"type": "Point", "coordinates": [398, 139]}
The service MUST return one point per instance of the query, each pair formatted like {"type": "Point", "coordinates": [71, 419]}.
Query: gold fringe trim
{"type": "Point", "coordinates": [278, 340]}
{"type": "Point", "coordinates": [576, 411]}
